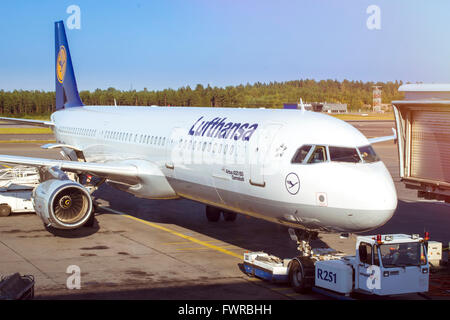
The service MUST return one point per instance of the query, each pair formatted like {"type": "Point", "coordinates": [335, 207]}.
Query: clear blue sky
{"type": "Point", "coordinates": [169, 44]}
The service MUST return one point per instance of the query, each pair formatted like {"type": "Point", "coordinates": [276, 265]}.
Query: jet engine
{"type": "Point", "coordinates": [62, 204]}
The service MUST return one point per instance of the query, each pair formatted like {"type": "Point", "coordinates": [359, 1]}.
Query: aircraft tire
{"type": "Point", "coordinates": [91, 221]}
{"type": "Point", "coordinates": [5, 210]}
{"type": "Point", "coordinates": [212, 214]}
{"type": "Point", "coordinates": [229, 215]}
{"type": "Point", "coordinates": [300, 275]}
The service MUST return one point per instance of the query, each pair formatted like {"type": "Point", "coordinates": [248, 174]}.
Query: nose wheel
{"type": "Point", "coordinates": [301, 268]}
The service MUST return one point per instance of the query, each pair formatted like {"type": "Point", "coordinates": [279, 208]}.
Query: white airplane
{"type": "Point", "coordinates": [297, 168]}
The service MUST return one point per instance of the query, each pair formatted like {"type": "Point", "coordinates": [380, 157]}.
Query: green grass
{"type": "Point", "coordinates": [27, 141]}
{"type": "Point", "coordinates": [14, 130]}
{"type": "Point", "coordinates": [45, 117]}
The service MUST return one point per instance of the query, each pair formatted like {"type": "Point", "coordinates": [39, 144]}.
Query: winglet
{"type": "Point", "coordinates": [386, 138]}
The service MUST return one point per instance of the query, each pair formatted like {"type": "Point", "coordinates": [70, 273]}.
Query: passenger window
{"type": "Point", "coordinates": [319, 155]}
{"type": "Point", "coordinates": [301, 154]}
{"type": "Point", "coordinates": [344, 154]}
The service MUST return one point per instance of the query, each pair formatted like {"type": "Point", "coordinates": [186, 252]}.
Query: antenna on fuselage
{"type": "Point", "coordinates": [301, 105]}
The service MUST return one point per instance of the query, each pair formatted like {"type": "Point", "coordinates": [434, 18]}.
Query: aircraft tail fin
{"type": "Point", "coordinates": [67, 95]}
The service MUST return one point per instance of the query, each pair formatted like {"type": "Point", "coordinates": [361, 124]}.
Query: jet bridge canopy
{"type": "Point", "coordinates": [423, 130]}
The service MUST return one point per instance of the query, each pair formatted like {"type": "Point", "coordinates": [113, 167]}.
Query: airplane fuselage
{"type": "Point", "coordinates": [245, 160]}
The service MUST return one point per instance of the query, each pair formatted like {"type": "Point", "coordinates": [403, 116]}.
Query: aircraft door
{"type": "Point", "coordinates": [368, 273]}
{"type": "Point", "coordinates": [259, 148]}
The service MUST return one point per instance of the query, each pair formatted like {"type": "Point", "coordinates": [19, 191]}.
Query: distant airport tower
{"type": "Point", "coordinates": [376, 98]}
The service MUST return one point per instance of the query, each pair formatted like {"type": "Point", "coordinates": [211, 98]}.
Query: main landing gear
{"type": "Point", "coordinates": [301, 268]}
{"type": "Point", "coordinates": [91, 183]}
{"type": "Point", "coordinates": [213, 214]}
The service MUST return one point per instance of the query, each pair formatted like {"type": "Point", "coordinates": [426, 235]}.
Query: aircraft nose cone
{"type": "Point", "coordinates": [372, 219]}
{"type": "Point", "coordinates": [381, 201]}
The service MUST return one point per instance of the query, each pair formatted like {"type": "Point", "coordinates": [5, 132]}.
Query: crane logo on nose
{"type": "Point", "coordinates": [292, 183]}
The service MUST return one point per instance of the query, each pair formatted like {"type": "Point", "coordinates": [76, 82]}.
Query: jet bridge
{"type": "Point", "coordinates": [423, 130]}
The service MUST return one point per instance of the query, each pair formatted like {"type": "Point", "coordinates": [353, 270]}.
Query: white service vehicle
{"type": "Point", "coordinates": [16, 186]}
{"type": "Point", "coordinates": [382, 265]}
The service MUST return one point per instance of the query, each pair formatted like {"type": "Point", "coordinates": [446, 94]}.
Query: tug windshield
{"type": "Point", "coordinates": [402, 254]}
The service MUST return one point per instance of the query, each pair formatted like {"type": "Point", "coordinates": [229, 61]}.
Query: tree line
{"type": "Point", "coordinates": [356, 94]}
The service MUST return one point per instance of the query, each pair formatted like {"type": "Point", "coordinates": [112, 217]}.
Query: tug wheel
{"type": "Point", "coordinates": [5, 210]}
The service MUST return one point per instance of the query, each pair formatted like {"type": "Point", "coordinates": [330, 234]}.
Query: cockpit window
{"type": "Point", "coordinates": [368, 154]}
{"type": "Point", "coordinates": [344, 154]}
{"type": "Point", "coordinates": [319, 155]}
{"type": "Point", "coordinates": [301, 154]}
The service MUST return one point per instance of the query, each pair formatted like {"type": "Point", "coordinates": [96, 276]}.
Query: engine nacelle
{"type": "Point", "coordinates": [62, 204]}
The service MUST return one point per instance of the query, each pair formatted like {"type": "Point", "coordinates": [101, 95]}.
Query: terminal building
{"type": "Point", "coordinates": [319, 107]}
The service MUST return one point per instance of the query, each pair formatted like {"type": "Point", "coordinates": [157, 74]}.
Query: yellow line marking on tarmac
{"type": "Point", "coordinates": [187, 242]}
{"type": "Point", "coordinates": [192, 239]}
{"type": "Point", "coordinates": [201, 248]}
{"type": "Point", "coordinates": [292, 294]}
{"type": "Point", "coordinates": [280, 289]}
{"type": "Point", "coordinates": [202, 243]}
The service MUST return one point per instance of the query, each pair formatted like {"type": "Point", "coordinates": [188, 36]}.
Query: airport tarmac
{"type": "Point", "coordinates": [166, 249]}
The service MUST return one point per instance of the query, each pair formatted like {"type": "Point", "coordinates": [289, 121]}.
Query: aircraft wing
{"type": "Point", "coordinates": [104, 170]}
{"type": "Point", "coordinates": [29, 122]}
{"type": "Point", "coordinates": [382, 139]}
{"type": "Point", "coordinates": [139, 177]}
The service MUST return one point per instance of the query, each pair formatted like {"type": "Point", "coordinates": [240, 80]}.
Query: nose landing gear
{"type": "Point", "coordinates": [301, 268]}
{"type": "Point", "coordinates": [303, 239]}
